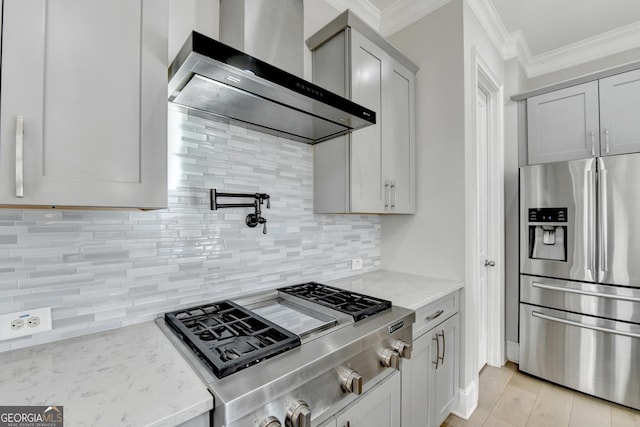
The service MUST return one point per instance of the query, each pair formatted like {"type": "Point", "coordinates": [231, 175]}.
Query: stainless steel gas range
{"type": "Point", "coordinates": [294, 356]}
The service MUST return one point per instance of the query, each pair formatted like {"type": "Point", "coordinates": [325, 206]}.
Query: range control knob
{"type": "Point", "coordinates": [351, 381]}
{"type": "Point", "coordinates": [298, 415]}
{"type": "Point", "coordinates": [403, 349]}
{"type": "Point", "coordinates": [390, 358]}
{"type": "Point", "coordinates": [270, 422]}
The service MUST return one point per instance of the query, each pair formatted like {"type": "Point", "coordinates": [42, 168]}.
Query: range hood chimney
{"type": "Point", "coordinates": [252, 78]}
{"type": "Point", "coordinates": [270, 30]}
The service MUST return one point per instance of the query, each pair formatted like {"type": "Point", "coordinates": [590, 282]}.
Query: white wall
{"type": "Point", "coordinates": [431, 242]}
{"type": "Point", "coordinates": [316, 15]}
{"type": "Point", "coordinates": [515, 82]}
{"type": "Point", "coordinates": [476, 45]}
{"type": "Point", "coordinates": [188, 15]}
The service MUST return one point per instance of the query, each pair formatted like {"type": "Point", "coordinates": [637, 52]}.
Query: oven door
{"type": "Point", "coordinates": [590, 354]}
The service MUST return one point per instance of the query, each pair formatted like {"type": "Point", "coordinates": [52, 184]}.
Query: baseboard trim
{"type": "Point", "coordinates": [513, 351]}
{"type": "Point", "coordinates": [467, 401]}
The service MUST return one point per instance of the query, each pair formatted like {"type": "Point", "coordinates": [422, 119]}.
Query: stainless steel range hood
{"type": "Point", "coordinates": [222, 82]}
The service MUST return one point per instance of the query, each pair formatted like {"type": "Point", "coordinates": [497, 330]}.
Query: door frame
{"type": "Point", "coordinates": [485, 79]}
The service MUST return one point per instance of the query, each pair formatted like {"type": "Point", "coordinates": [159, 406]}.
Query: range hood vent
{"type": "Point", "coordinates": [219, 81]}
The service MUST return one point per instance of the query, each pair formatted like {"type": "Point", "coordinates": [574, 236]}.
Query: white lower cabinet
{"type": "Point", "coordinates": [430, 377]}
{"type": "Point", "coordinates": [378, 407]}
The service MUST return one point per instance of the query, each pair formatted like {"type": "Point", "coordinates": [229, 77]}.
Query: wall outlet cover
{"type": "Point", "coordinates": [356, 264]}
{"type": "Point", "coordinates": [26, 322]}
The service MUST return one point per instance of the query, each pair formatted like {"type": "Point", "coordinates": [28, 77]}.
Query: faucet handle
{"type": "Point", "coordinates": [268, 202]}
{"type": "Point", "coordinates": [263, 221]}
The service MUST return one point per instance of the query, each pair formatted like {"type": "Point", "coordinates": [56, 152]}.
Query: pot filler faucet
{"type": "Point", "coordinates": [253, 219]}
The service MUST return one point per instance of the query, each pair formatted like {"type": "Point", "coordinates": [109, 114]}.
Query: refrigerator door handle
{"type": "Point", "coordinates": [584, 326]}
{"type": "Point", "coordinates": [589, 208]}
{"type": "Point", "coordinates": [604, 253]}
{"type": "Point", "coordinates": [585, 293]}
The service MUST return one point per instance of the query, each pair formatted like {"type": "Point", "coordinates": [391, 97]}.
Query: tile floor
{"type": "Point", "coordinates": [509, 398]}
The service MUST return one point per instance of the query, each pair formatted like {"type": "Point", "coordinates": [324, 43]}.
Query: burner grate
{"type": "Point", "coordinates": [228, 337]}
{"type": "Point", "coordinates": [357, 305]}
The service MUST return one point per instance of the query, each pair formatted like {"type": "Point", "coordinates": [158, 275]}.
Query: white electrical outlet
{"type": "Point", "coordinates": [356, 264]}
{"type": "Point", "coordinates": [27, 322]}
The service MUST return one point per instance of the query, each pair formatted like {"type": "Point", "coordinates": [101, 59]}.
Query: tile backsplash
{"type": "Point", "coordinates": [105, 269]}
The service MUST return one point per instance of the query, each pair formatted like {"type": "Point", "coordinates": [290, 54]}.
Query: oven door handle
{"type": "Point", "coordinates": [585, 293]}
{"type": "Point", "coordinates": [582, 325]}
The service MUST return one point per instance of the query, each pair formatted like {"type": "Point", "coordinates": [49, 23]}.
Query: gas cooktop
{"type": "Point", "coordinates": [228, 337]}
{"type": "Point", "coordinates": [295, 352]}
{"type": "Point", "coordinates": [356, 305]}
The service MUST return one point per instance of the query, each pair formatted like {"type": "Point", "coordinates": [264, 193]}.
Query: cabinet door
{"type": "Point", "coordinates": [368, 72]}
{"type": "Point", "coordinates": [620, 114]}
{"type": "Point", "coordinates": [399, 139]}
{"type": "Point", "coordinates": [563, 125]}
{"type": "Point", "coordinates": [445, 373]}
{"type": "Point", "coordinates": [87, 79]}
{"type": "Point", "coordinates": [416, 373]}
{"type": "Point", "coordinates": [379, 407]}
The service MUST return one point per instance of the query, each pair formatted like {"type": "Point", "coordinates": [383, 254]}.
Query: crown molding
{"type": "Point", "coordinates": [490, 20]}
{"type": "Point", "coordinates": [515, 44]}
{"type": "Point", "coordinates": [593, 48]}
{"type": "Point", "coordinates": [363, 8]}
{"type": "Point", "coordinates": [402, 13]}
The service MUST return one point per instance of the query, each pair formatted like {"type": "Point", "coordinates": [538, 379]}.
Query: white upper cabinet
{"type": "Point", "coordinates": [369, 73]}
{"type": "Point", "coordinates": [372, 170]}
{"type": "Point", "coordinates": [620, 113]}
{"type": "Point", "coordinates": [399, 136]}
{"type": "Point", "coordinates": [563, 125]}
{"type": "Point", "coordinates": [597, 118]}
{"type": "Point", "coordinates": [84, 103]}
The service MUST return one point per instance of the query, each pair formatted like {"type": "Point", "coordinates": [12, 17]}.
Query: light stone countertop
{"type": "Point", "coordinates": [132, 376]}
{"type": "Point", "coordinates": [404, 290]}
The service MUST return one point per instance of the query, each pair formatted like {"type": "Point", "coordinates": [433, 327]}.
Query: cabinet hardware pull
{"type": "Point", "coordinates": [393, 190]}
{"type": "Point", "coordinates": [434, 315]}
{"type": "Point", "coordinates": [437, 362]}
{"type": "Point", "coordinates": [387, 194]}
{"type": "Point", "coordinates": [444, 347]}
{"type": "Point", "coordinates": [606, 139]}
{"type": "Point", "coordinates": [593, 143]}
{"type": "Point", "coordinates": [19, 156]}
{"type": "Point", "coordinates": [584, 326]}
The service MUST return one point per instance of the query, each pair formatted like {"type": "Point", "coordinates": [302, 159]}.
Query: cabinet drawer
{"type": "Point", "coordinates": [430, 315]}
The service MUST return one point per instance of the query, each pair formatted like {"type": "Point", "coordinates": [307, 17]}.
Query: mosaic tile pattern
{"type": "Point", "coordinates": [101, 270]}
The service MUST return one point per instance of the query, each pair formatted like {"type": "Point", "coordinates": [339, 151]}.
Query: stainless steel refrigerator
{"type": "Point", "coordinates": [580, 275]}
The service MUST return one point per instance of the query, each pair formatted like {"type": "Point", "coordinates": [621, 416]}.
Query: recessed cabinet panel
{"type": "Point", "coordinates": [430, 377]}
{"type": "Point", "coordinates": [367, 188]}
{"type": "Point", "coordinates": [416, 377]}
{"type": "Point", "coordinates": [84, 100]}
{"type": "Point", "coordinates": [85, 139]}
{"type": "Point", "coordinates": [399, 149]}
{"type": "Point", "coordinates": [380, 407]}
{"type": "Point", "coordinates": [445, 376]}
{"type": "Point", "coordinates": [563, 125]}
{"type": "Point", "coordinates": [620, 114]}
{"type": "Point", "coordinates": [96, 135]}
